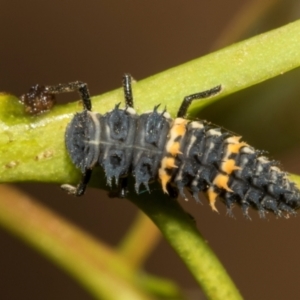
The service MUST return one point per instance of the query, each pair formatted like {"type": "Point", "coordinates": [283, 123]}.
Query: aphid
{"type": "Point", "coordinates": [179, 153]}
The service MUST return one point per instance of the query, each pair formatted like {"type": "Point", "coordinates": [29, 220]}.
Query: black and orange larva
{"type": "Point", "coordinates": [177, 152]}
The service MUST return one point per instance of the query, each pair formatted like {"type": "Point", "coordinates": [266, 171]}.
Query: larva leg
{"type": "Point", "coordinates": [189, 99]}
{"type": "Point", "coordinates": [127, 90]}
{"type": "Point", "coordinates": [39, 91]}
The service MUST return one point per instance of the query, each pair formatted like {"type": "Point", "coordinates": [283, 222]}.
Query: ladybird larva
{"type": "Point", "coordinates": [179, 153]}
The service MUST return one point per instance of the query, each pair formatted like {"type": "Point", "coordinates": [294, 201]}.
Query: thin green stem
{"type": "Point", "coordinates": [32, 148]}
{"type": "Point", "coordinates": [246, 17]}
{"type": "Point", "coordinates": [181, 232]}
{"type": "Point", "coordinates": [101, 270]}
{"type": "Point", "coordinates": [236, 67]}
{"type": "Point", "coordinates": [142, 227]}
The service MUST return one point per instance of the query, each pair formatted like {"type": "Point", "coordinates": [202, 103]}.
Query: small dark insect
{"type": "Point", "coordinates": [179, 153]}
{"type": "Point", "coordinates": [38, 100]}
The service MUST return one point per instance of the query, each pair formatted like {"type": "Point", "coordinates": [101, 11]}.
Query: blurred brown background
{"type": "Point", "coordinates": [97, 41]}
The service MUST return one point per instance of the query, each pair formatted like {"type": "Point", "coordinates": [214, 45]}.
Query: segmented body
{"type": "Point", "coordinates": [182, 153]}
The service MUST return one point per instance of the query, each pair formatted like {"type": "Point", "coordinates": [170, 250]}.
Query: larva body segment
{"type": "Point", "coordinates": [221, 165]}
{"type": "Point", "coordinates": [189, 155]}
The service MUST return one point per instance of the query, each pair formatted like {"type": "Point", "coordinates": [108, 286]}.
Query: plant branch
{"type": "Point", "coordinates": [131, 247]}
{"type": "Point", "coordinates": [98, 268]}
{"type": "Point", "coordinates": [45, 159]}
{"type": "Point", "coordinates": [181, 232]}
{"type": "Point", "coordinates": [236, 67]}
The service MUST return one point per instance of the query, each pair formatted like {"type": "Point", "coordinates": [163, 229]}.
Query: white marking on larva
{"type": "Point", "coordinates": [263, 159]}
{"type": "Point", "coordinates": [96, 123]}
{"type": "Point", "coordinates": [167, 115]}
{"type": "Point", "coordinates": [232, 140]}
{"type": "Point", "coordinates": [247, 150]}
{"type": "Point", "coordinates": [196, 125]}
{"type": "Point", "coordinates": [275, 169]}
{"type": "Point", "coordinates": [275, 172]}
{"type": "Point", "coordinates": [259, 168]}
{"type": "Point", "coordinates": [107, 130]}
{"type": "Point", "coordinates": [124, 146]}
{"type": "Point", "coordinates": [210, 147]}
{"type": "Point", "coordinates": [93, 142]}
{"type": "Point", "coordinates": [131, 110]}
{"type": "Point", "coordinates": [191, 126]}
{"type": "Point", "coordinates": [191, 143]}
{"type": "Point", "coordinates": [216, 132]}
{"type": "Point", "coordinates": [178, 176]}
{"type": "Point", "coordinates": [196, 179]}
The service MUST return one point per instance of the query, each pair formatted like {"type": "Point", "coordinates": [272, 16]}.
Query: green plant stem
{"type": "Point", "coordinates": [181, 232]}
{"type": "Point", "coordinates": [103, 272]}
{"type": "Point", "coordinates": [236, 67]}
{"type": "Point", "coordinates": [32, 148]}
{"type": "Point", "coordinates": [246, 17]}
{"type": "Point", "coordinates": [131, 247]}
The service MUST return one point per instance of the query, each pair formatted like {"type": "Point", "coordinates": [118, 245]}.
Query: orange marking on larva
{"type": "Point", "coordinates": [228, 166]}
{"type": "Point", "coordinates": [235, 148]}
{"type": "Point", "coordinates": [164, 178]}
{"type": "Point", "coordinates": [212, 197]}
{"type": "Point", "coordinates": [170, 163]}
{"type": "Point", "coordinates": [163, 175]}
{"type": "Point", "coordinates": [180, 129]}
{"type": "Point", "coordinates": [179, 126]}
{"type": "Point", "coordinates": [221, 181]}
{"type": "Point", "coordinates": [174, 149]}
